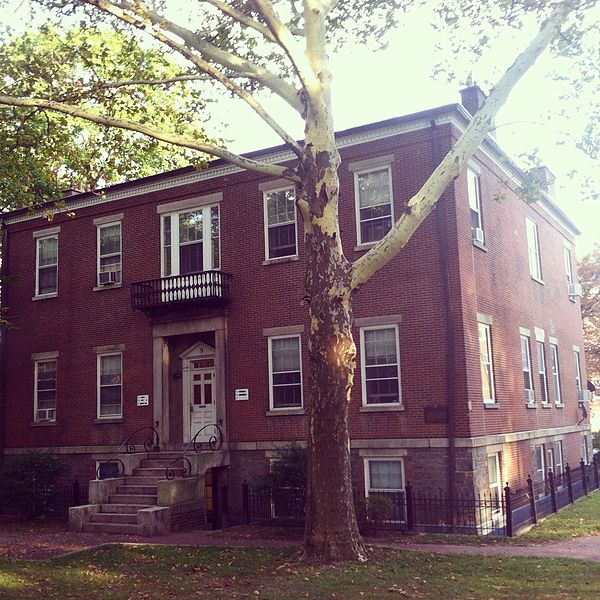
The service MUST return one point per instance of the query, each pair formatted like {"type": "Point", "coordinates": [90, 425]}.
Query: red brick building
{"type": "Point", "coordinates": [470, 355]}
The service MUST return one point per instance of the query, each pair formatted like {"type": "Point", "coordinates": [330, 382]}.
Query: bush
{"type": "Point", "coordinates": [373, 511]}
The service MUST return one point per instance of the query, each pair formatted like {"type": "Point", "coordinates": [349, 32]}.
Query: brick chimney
{"type": "Point", "coordinates": [472, 98]}
{"type": "Point", "coordinates": [547, 179]}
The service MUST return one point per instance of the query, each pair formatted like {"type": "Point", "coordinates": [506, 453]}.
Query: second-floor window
{"type": "Point", "coordinates": [191, 241]}
{"type": "Point", "coordinates": [555, 373]}
{"type": "Point", "coordinates": [577, 359]}
{"type": "Point", "coordinates": [45, 390]}
{"type": "Point", "coordinates": [46, 265]}
{"type": "Point", "coordinates": [533, 250]}
{"type": "Point", "coordinates": [485, 357]}
{"type": "Point", "coordinates": [285, 367]}
{"type": "Point", "coordinates": [473, 190]}
{"type": "Point", "coordinates": [568, 266]}
{"type": "Point", "coordinates": [280, 223]}
{"type": "Point", "coordinates": [541, 358]}
{"type": "Point", "coordinates": [109, 253]}
{"type": "Point", "coordinates": [526, 365]}
{"type": "Point", "coordinates": [373, 189]}
{"type": "Point", "coordinates": [110, 385]}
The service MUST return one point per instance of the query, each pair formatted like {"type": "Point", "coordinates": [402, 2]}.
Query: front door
{"type": "Point", "coordinates": [202, 397]}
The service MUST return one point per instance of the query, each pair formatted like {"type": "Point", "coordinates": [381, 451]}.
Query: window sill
{"type": "Point", "coordinates": [282, 259]}
{"type": "Point", "coordinates": [491, 405]}
{"type": "Point", "coordinates": [546, 405]}
{"type": "Point", "coordinates": [480, 245]}
{"type": "Point", "coordinates": [111, 286]}
{"type": "Point", "coordinates": [559, 405]}
{"type": "Point", "coordinates": [100, 421]}
{"type": "Point", "coordinates": [540, 281]}
{"type": "Point", "coordinates": [530, 404]}
{"type": "Point", "coordinates": [42, 424]}
{"type": "Point", "coordinates": [45, 296]}
{"type": "Point", "coordinates": [381, 408]}
{"type": "Point", "coordinates": [573, 299]}
{"type": "Point", "coordinates": [278, 412]}
{"type": "Point", "coordinates": [364, 247]}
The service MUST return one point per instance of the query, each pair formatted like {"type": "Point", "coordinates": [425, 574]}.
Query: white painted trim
{"type": "Point", "coordinates": [367, 472]}
{"type": "Point", "coordinates": [198, 350]}
{"type": "Point", "coordinates": [474, 166]}
{"type": "Point", "coordinates": [99, 228]}
{"type": "Point", "coordinates": [540, 334]}
{"type": "Point", "coordinates": [99, 357]}
{"type": "Point", "coordinates": [195, 202]}
{"type": "Point", "coordinates": [266, 194]}
{"type": "Point", "coordinates": [524, 331]}
{"type": "Point", "coordinates": [109, 219]}
{"type": "Point", "coordinates": [270, 339]}
{"type": "Point", "coordinates": [38, 239]}
{"type": "Point", "coordinates": [44, 355]}
{"type": "Point", "coordinates": [553, 340]}
{"type": "Point", "coordinates": [485, 319]}
{"type": "Point", "coordinates": [50, 231]}
{"type": "Point", "coordinates": [53, 359]}
{"type": "Point", "coordinates": [371, 163]}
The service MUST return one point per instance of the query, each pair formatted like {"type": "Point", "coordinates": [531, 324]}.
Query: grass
{"type": "Point", "coordinates": [162, 572]}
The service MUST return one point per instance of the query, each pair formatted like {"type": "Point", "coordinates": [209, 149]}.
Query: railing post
{"type": "Point", "coordinates": [552, 482]}
{"type": "Point", "coordinates": [246, 502]}
{"type": "Point", "coordinates": [595, 460]}
{"type": "Point", "coordinates": [569, 483]}
{"type": "Point", "coordinates": [532, 499]}
{"type": "Point", "coordinates": [584, 476]}
{"type": "Point", "coordinates": [410, 515]}
{"type": "Point", "coordinates": [508, 509]}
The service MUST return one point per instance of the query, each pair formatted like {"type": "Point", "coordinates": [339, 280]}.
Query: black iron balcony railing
{"type": "Point", "coordinates": [210, 288]}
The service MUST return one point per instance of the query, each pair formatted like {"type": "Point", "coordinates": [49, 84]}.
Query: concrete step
{"type": "Point", "coordinates": [130, 519]}
{"type": "Point", "coordinates": [155, 463]}
{"type": "Point", "coordinates": [110, 528]}
{"type": "Point", "coordinates": [133, 499]}
{"type": "Point", "coordinates": [122, 508]}
{"type": "Point", "coordinates": [156, 472]}
{"type": "Point", "coordinates": [142, 481]}
{"type": "Point", "coordinates": [142, 490]}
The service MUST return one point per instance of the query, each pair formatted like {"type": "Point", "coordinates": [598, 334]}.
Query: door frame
{"type": "Point", "coordinates": [198, 351]}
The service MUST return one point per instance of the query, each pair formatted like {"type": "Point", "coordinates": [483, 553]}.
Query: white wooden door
{"type": "Point", "coordinates": [202, 400]}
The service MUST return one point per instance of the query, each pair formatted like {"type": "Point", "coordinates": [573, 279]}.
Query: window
{"type": "Point", "coordinates": [577, 359]}
{"type": "Point", "coordinates": [385, 477]}
{"type": "Point", "coordinates": [540, 463]}
{"type": "Point", "coordinates": [110, 385]}
{"type": "Point", "coordinates": [485, 357]}
{"type": "Point", "coordinates": [541, 357]}
{"type": "Point", "coordinates": [380, 365]}
{"type": "Point", "coordinates": [473, 190]}
{"type": "Point", "coordinates": [533, 249]}
{"type": "Point", "coordinates": [47, 265]}
{"type": "Point", "coordinates": [191, 241]}
{"type": "Point", "coordinates": [280, 223]}
{"type": "Point", "coordinates": [584, 449]}
{"type": "Point", "coordinates": [493, 461]}
{"type": "Point", "coordinates": [526, 364]}
{"type": "Point", "coordinates": [285, 366]}
{"type": "Point", "coordinates": [568, 266]}
{"type": "Point", "coordinates": [45, 391]}
{"type": "Point", "coordinates": [559, 460]}
{"type": "Point", "coordinates": [373, 190]}
{"type": "Point", "coordinates": [555, 373]}
{"type": "Point", "coordinates": [109, 253]}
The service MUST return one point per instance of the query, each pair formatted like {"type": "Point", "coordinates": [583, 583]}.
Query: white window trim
{"type": "Point", "coordinates": [367, 473]}
{"type": "Point", "coordinates": [206, 247]}
{"type": "Point", "coordinates": [363, 378]}
{"type": "Point", "coordinates": [99, 228]}
{"type": "Point", "coordinates": [38, 240]}
{"type": "Point", "coordinates": [498, 484]}
{"type": "Point", "coordinates": [266, 193]}
{"type": "Point", "coordinates": [556, 373]}
{"type": "Point", "coordinates": [53, 359]}
{"type": "Point", "coordinates": [99, 356]}
{"type": "Point", "coordinates": [357, 173]}
{"type": "Point", "coordinates": [559, 459]}
{"type": "Point", "coordinates": [527, 338]}
{"type": "Point", "coordinates": [542, 370]}
{"type": "Point", "coordinates": [543, 456]}
{"type": "Point", "coordinates": [577, 360]}
{"type": "Point", "coordinates": [272, 407]}
{"type": "Point", "coordinates": [533, 250]}
{"type": "Point", "coordinates": [473, 173]}
{"type": "Point", "coordinates": [568, 265]}
{"type": "Point", "coordinates": [488, 330]}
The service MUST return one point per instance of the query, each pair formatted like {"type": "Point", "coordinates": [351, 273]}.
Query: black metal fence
{"type": "Point", "coordinates": [501, 513]}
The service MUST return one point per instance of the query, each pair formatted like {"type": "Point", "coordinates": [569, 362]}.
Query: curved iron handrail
{"type": "Point", "coordinates": [214, 443]}
{"type": "Point", "coordinates": [151, 444]}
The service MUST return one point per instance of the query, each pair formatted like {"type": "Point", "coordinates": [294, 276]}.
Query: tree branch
{"type": "Point", "coordinates": [241, 18]}
{"type": "Point", "coordinates": [420, 205]}
{"type": "Point", "coordinates": [168, 137]}
{"type": "Point", "coordinates": [138, 15]}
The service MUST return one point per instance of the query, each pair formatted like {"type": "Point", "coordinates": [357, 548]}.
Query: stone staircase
{"type": "Point", "coordinates": [139, 491]}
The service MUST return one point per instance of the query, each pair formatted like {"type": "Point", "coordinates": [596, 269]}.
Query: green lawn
{"type": "Point", "coordinates": [162, 572]}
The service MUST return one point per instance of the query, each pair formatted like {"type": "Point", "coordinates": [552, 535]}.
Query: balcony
{"type": "Point", "coordinates": [209, 289]}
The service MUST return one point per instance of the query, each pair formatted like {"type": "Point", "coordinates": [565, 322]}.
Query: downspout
{"type": "Point", "coordinates": [3, 350]}
{"type": "Point", "coordinates": [450, 366]}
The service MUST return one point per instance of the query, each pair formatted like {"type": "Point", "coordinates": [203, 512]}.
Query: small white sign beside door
{"type": "Point", "coordinates": [242, 394]}
{"type": "Point", "coordinates": [143, 400]}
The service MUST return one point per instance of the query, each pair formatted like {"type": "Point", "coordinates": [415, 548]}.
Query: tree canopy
{"type": "Point", "coordinates": [589, 276]}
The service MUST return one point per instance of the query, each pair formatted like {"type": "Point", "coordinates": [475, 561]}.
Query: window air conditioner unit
{"type": "Point", "coordinates": [575, 290]}
{"type": "Point", "coordinates": [529, 396]}
{"type": "Point", "coordinates": [584, 395]}
{"type": "Point", "coordinates": [477, 234]}
{"type": "Point", "coordinates": [46, 414]}
{"type": "Point", "coordinates": [109, 277]}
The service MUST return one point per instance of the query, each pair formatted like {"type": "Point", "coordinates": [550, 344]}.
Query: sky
{"type": "Point", "coordinates": [369, 87]}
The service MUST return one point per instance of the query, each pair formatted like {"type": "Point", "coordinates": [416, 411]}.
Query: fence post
{"type": "Point", "coordinates": [508, 508]}
{"type": "Point", "coordinates": [532, 499]}
{"type": "Point", "coordinates": [552, 483]}
{"type": "Point", "coordinates": [246, 502]}
{"type": "Point", "coordinates": [76, 493]}
{"type": "Point", "coordinates": [596, 473]}
{"type": "Point", "coordinates": [410, 515]}
{"type": "Point", "coordinates": [569, 483]}
{"type": "Point", "coordinates": [584, 476]}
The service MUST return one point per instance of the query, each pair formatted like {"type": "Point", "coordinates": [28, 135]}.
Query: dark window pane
{"type": "Point", "coordinates": [47, 280]}
{"type": "Point", "coordinates": [373, 231]}
{"type": "Point", "coordinates": [190, 259]}
{"type": "Point", "coordinates": [282, 240]}
{"type": "Point", "coordinates": [288, 377]}
{"type": "Point", "coordinates": [286, 396]}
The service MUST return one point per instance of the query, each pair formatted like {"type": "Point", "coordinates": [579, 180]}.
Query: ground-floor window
{"type": "Point", "coordinates": [384, 478]}
{"type": "Point", "coordinates": [110, 385]}
{"type": "Point", "coordinates": [495, 478]}
{"type": "Point", "coordinates": [540, 463]}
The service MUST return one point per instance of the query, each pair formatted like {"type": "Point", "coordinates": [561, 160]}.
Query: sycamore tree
{"type": "Point", "coordinates": [253, 49]}
{"type": "Point", "coordinates": [589, 276]}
